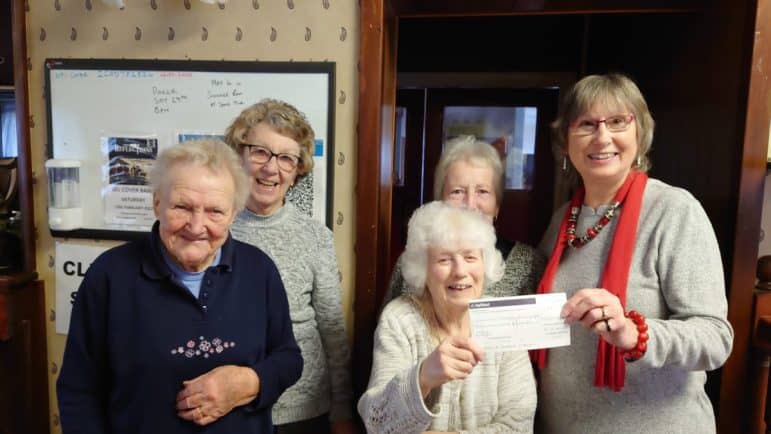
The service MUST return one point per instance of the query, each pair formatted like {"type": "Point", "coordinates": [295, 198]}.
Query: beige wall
{"type": "Point", "coordinates": [302, 30]}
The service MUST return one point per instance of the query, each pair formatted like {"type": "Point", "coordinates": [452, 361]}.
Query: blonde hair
{"type": "Point", "coordinates": [612, 90]}
{"type": "Point", "coordinates": [283, 118]}
{"type": "Point", "coordinates": [212, 154]}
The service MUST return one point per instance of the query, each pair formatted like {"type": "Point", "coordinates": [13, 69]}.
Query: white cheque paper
{"type": "Point", "coordinates": [523, 322]}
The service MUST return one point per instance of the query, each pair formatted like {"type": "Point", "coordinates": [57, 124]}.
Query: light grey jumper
{"type": "Point", "coordinates": [676, 281]}
{"type": "Point", "coordinates": [304, 252]}
{"type": "Point", "coordinates": [498, 397]}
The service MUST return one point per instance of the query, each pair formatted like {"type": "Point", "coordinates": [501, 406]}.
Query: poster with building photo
{"type": "Point", "coordinates": [128, 199]}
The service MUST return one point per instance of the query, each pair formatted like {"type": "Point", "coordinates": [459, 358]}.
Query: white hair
{"type": "Point", "coordinates": [473, 151]}
{"type": "Point", "coordinates": [437, 224]}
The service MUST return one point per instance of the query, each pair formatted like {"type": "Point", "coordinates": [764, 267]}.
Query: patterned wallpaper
{"type": "Point", "coordinates": [269, 30]}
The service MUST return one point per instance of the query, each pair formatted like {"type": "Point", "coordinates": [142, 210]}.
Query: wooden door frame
{"type": "Point", "coordinates": [377, 89]}
{"type": "Point", "coordinates": [735, 382]}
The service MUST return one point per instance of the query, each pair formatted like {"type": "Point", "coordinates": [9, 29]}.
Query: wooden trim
{"type": "Point", "coordinates": [371, 18]}
{"type": "Point", "coordinates": [435, 8]}
{"type": "Point", "coordinates": [735, 386]}
{"type": "Point", "coordinates": [19, 35]}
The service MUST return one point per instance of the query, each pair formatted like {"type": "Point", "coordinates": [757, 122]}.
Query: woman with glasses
{"type": "Point", "coordinates": [275, 142]}
{"type": "Point", "coordinates": [640, 264]}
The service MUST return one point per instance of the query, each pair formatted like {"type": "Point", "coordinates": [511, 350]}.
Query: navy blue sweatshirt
{"type": "Point", "coordinates": [135, 335]}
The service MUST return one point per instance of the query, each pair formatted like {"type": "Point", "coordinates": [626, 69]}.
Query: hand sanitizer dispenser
{"type": "Point", "coordinates": [64, 209]}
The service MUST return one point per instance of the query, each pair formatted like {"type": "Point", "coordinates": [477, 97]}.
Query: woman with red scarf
{"type": "Point", "coordinates": [640, 264]}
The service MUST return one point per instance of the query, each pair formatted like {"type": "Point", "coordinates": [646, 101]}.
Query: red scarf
{"type": "Point", "coordinates": [609, 369]}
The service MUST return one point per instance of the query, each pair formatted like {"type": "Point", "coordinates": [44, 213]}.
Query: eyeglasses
{"type": "Point", "coordinates": [614, 124]}
{"type": "Point", "coordinates": [261, 155]}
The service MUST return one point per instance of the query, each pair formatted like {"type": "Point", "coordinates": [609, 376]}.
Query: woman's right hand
{"type": "Point", "coordinates": [453, 359]}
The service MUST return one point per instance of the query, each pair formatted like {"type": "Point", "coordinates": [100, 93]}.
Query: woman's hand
{"type": "Point", "coordinates": [453, 359]}
{"type": "Point", "coordinates": [600, 311]}
{"type": "Point", "coordinates": [210, 396]}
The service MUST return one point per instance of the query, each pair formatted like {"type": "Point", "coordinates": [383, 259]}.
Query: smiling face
{"type": "Point", "coordinates": [603, 158]}
{"type": "Point", "coordinates": [471, 186]}
{"type": "Point", "coordinates": [270, 182]}
{"type": "Point", "coordinates": [195, 209]}
{"type": "Point", "coordinates": [455, 276]}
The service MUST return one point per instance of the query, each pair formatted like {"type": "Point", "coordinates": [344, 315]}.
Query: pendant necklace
{"type": "Point", "coordinates": [578, 242]}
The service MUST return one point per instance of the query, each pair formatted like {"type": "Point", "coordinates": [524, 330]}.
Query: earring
{"type": "Point", "coordinates": [564, 163]}
{"type": "Point", "coordinates": [638, 161]}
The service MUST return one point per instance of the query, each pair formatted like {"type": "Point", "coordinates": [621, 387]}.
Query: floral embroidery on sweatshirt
{"type": "Point", "coordinates": [203, 348]}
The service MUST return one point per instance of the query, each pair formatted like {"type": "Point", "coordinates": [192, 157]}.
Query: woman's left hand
{"type": "Point", "coordinates": [210, 396]}
{"type": "Point", "coordinates": [600, 311]}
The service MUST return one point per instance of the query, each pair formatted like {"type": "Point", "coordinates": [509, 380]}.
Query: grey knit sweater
{"type": "Point", "coordinates": [524, 266]}
{"type": "Point", "coordinates": [676, 281]}
{"type": "Point", "coordinates": [304, 253]}
{"type": "Point", "coordinates": [498, 397]}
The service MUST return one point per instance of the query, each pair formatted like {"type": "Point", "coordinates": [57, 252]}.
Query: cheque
{"type": "Point", "coordinates": [524, 322]}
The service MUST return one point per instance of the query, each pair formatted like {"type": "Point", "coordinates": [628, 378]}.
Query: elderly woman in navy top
{"type": "Point", "coordinates": [162, 326]}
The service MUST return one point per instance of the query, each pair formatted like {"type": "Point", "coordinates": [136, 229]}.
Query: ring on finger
{"type": "Point", "coordinates": [602, 309]}
{"type": "Point", "coordinates": [607, 326]}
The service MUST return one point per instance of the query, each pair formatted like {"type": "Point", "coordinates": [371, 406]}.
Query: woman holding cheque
{"type": "Point", "coordinates": [640, 265]}
{"type": "Point", "coordinates": [423, 344]}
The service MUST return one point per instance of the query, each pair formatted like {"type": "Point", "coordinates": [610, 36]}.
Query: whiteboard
{"type": "Point", "coordinates": [94, 102]}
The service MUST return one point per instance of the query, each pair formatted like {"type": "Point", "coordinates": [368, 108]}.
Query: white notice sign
{"type": "Point", "coordinates": [72, 261]}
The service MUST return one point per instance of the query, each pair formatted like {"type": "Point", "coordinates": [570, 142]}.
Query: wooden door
{"type": "Point", "coordinates": [516, 122]}
{"type": "Point", "coordinates": [407, 165]}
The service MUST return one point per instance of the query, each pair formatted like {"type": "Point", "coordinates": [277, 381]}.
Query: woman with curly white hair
{"type": "Point", "coordinates": [428, 374]}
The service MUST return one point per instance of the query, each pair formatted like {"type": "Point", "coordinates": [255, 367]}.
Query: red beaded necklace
{"type": "Point", "coordinates": [578, 242]}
